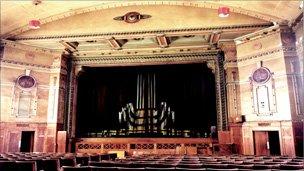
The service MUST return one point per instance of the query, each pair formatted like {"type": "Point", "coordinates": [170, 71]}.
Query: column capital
{"type": "Point", "coordinates": [211, 65]}
{"type": "Point", "coordinates": [77, 69]}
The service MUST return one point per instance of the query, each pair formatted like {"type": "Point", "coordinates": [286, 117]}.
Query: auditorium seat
{"type": "Point", "coordinates": [190, 169]}
{"type": "Point", "coordinates": [82, 160]}
{"type": "Point", "coordinates": [112, 156]}
{"type": "Point", "coordinates": [95, 157]}
{"type": "Point", "coordinates": [71, 168]}
{"type": "Point", "coordinates": [221, 169]}
{"type": "Point", "coordinates": [217, 166]}
{"type": "Point", "coordinates": [292, 167]}
{"type": "Point", "coordinates": [160, 169]}
{"type": "Point", "coordinates": [95, 168]}
{"type": "Point", "coordinates": [101, 164]}
{"type": "Point", "coordinates": [183, 165]}
{"type": "Point", "coordinates": [105, 157]}
{"type": "Point", "coordinates": [8, 166]}
{"type": "Point", "coordinates": [51, 165]}
{"type": "Point", "coordinates": [67, 162]}
{"type": "Point", "coordinates": [26, 165]}
{"type": "Point", "coordinates": [266, 166]}
{"type": "Point", "coordinates": [130, 168]}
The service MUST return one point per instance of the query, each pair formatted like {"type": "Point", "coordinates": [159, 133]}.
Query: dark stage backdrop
{"type": "Point", "coordinates": [188, 89]}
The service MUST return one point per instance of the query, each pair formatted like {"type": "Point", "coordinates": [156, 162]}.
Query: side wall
{"type": "Point", "coordinates": [272, 105]}
{"type": "Point", "coordinates": [42, 117]}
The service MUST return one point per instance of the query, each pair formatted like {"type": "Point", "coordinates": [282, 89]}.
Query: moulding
{"type": "Point", "coordinates": [24, 47]}
{"type": "Point", "coordinates": [258, 35]}
{"type": "Point", "coordinates": [145, 59]}
{"type": "Point", "coordinates": [288, 52]}
{"type": "Point", "coordinates": [144, 33]}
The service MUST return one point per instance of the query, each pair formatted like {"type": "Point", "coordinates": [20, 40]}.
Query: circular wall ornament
{"type": "Point", "coordinates": [261, 75]}
{"type": "Point", "coordinates": [26, 82]}
{"type": "Point", "coordinates": [287, 40]}
{"type": "Point", "coordinates": [132, 17]}
{"type": "Point", "coordinates": [257, 46]}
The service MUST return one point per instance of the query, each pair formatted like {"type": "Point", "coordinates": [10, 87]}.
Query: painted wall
{"type": "Point", "coordinates": [42, 117]}
{"type": "Point", "coordinates": [269, 106]}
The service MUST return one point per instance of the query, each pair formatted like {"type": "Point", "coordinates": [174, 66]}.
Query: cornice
{"type": "Point", "coordinates": [253, 56]}
{"type": "Point", "coordinates": [145, 59]}
{"type": "Point", "coordinates": [142, 33]}
{"type": "Point", "coordinates": [6, 61]}
{"type": "Point", "coordinates": [288, 52]}
{"type": "Point", "coordinates": [257, 35]}
{"type": "Point", "coordinates": [37, 67]}
{"type": "Point", "coordinates": [9, 43]}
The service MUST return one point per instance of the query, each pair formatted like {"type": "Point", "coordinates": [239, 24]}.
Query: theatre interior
{"type": "Point", "coordinates": [151, 85]}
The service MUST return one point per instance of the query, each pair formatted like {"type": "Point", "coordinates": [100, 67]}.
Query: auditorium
{"type": "Point", "coordinates": [151, 85]}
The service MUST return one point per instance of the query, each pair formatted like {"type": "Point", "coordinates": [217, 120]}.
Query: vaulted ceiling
{"type": "Point", "coordinates": [88, 28]}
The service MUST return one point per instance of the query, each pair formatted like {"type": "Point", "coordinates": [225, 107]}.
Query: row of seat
{"type": "Point", "coordinates": [152, 162]}
{"type": "Point", "coordinates": [96, 162]}
{"type": "Point", "coordinates": [48, 162]}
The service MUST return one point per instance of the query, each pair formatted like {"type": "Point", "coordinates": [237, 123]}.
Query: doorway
{"type": "Point", "coordinates": [27, 141]}
{"type": "Point", "coordinates": [266, 143]}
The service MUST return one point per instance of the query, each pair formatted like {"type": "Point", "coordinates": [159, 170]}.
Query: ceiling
{"type": "Point", "coordinates": [16, 14]}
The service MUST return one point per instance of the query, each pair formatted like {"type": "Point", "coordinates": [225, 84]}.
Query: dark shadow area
{"type": "Point", "coordinates": [188, 89]}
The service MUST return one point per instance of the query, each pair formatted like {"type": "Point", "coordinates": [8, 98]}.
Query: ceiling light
{"type": "Point", "coordinates": [34, 24]}
{"type": "Point", "coordinates": [223, 11]}
{"type": "Point", "coordinates": [301, 4]}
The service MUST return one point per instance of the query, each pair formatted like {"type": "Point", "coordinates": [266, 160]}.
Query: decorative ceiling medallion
{"type": "Point", "coordinates": [132, 17]}
{"type": "Point", "coordinates": [257, 46]}
{"type": "Point", "coordinates": [26, 82]}
{"type": "Point", "coordinates": [261, 75]}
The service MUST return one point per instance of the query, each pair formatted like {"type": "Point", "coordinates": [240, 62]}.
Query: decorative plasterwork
{"type": "Point", "coordinates": [146, 33]}
{"type": "Point", "coordinates": [288, 52]}
{"type": "Point", "coordinates": [257, 35]}
{"type": "Point", "coordinates": [132, 17]}
{"type": "Point", "coordinates": [204, 4]}
{"type": "Point", "coordinates": [18, 63]}
{"type": "Point", "coordinates": [17, 45]}
{"type": "Point", "coordinates": [148, 59]}
{"type": "Point", "coordinates": [139, 42]}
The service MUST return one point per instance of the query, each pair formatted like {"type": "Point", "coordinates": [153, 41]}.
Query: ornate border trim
{"type": "Point", "coordinates": [286, 50]}
{"type": "Point", "coordinates": [6, 61]}
{"type": "Point", "coordinates": [17, 45]}
{"type": "Point", "coordinates": [216, 28]}
{"type": "Point", "coordinates": [145, 59]}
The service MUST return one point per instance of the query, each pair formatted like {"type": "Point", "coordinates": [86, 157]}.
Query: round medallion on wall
{"type": "Point", "coordinates": [26, 82]}
{"type": "Point", "coordinates": [132, 17]}
{"type": "Point", "coordinates": [257, 46]}
{"type": "Point", "coordinates": [286, 40]}
{"type": "Point", "coordinates": [261, 75]}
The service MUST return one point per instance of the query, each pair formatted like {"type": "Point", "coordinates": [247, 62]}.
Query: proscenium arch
{"type": "Point", "coordinates": [212, 61]}
{"type": "Point", "coordinates": [108, 5]}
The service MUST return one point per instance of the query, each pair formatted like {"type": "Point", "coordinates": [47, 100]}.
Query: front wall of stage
{"type": "Point", "coordinates": [189, 91]}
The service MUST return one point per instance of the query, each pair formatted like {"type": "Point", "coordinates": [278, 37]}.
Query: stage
{"type": "Point", "coordinates": [146, 145]}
